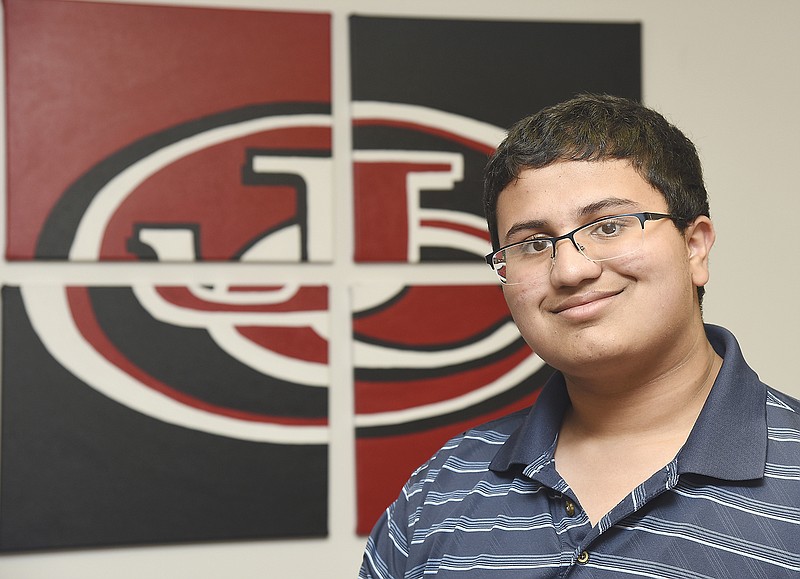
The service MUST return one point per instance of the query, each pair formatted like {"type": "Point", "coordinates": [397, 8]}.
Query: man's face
{"type": "Point", "coordinates": [587, 317]}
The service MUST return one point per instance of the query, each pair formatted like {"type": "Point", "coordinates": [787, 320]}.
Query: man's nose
{"type": "Point", "coordinates": [571, 267]}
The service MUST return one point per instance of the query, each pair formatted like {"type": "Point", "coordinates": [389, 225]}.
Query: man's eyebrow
{"type": "Point", "coordinates": [525, 226]}
{"type": "Point", "coordinates": [604, 204]}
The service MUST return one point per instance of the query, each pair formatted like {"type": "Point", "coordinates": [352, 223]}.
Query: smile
{"type": "Point", "coordinates": [585, 305]}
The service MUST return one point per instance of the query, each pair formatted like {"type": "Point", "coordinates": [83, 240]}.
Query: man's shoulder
{"type": "Point", "coordinates": [483, 439]}
{"type": "Point", "coordinates": [783, 432]}
{"type": "Point", "coordinates": [468, 453]}
{"type": "Point", "coordinates": [782, 407]}
{"type": "Point", "coordinates": [448, 481]}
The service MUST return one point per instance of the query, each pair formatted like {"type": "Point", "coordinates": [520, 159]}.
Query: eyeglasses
{"type": "Point", "coordinates": [601, 240]}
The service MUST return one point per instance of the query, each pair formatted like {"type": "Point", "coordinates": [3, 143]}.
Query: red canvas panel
{"type": "Point", "coordinates": [123, 118]}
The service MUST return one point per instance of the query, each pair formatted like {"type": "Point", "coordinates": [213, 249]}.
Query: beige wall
{"type": "Point", "coordinates": [723, 70]}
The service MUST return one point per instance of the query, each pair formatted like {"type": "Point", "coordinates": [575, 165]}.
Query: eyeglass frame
{"type": "Point", "coordinates": [641, 216]}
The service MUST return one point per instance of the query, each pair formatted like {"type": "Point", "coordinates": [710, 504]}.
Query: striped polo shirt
{"type": "Point", "coordinates": [490, 503]}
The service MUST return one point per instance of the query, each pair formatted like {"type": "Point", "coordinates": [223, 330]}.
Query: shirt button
{"type": "Point", "coordinates": [569, 506]}
{"type": "Point", "coordinates": [583, 557]}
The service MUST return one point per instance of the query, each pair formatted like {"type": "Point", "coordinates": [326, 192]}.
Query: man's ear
{"type": "Point", "coordinates": [700, 236]}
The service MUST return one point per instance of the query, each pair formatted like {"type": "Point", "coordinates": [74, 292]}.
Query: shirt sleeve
{"type": "Point", "coordinates": [386, 553]}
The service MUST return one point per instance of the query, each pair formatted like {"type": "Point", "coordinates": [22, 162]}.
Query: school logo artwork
{"type": "Point", "coordinates": [423, 370]}
{"type": "Point", "coordinates": [260, 199]}
{"type": "Point", "coordinates": [122, 390]}
{"type": "Point", "coordinates": [252, 184]}
{"type": "Point", "coordinates": [423, 214]}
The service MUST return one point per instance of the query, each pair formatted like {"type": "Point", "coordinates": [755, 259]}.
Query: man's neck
{"type": "Point", "coordinates": [616, 435]}
{"type": "Point", "coordinates": [646, 398]}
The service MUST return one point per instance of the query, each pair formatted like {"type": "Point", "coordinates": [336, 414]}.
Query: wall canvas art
{"type": "Point", "coordinates": [431, 99]}
{"type": "Point", "coordinates": [143, 413]}
{"type": "Point", "coordinates": [152, 414]}
{"type": "Point", "coordinates": [167, 133]}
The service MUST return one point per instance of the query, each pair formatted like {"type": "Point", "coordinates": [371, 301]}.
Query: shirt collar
{"type": "Point", "coordinates": [728, 441]}
{"type": "Point", "coordinates": [534, 440]}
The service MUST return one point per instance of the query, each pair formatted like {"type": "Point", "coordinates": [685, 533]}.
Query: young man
{"type": "Point", "coordinates": [654, 451]}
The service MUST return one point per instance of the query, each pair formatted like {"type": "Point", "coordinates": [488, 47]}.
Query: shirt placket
{"type": "Point", "coordinates": [589, 538]}
{"type": "Point", "coordinates": [570, 522]}
{"type": "Point", "coordinates": [573, 527]}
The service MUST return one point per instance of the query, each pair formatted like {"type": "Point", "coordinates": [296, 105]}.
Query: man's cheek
{"type": "Point", "coordinates": [521, 299]}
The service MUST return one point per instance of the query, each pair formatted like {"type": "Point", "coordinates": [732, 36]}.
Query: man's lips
{"type": "Point", "coordinates": [582, 300]}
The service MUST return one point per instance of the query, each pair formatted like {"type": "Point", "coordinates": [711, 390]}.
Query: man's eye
{"type": "Point", "coordinates": [534, 246]}
{"type": "Point", "coordinates": [608, 228]}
